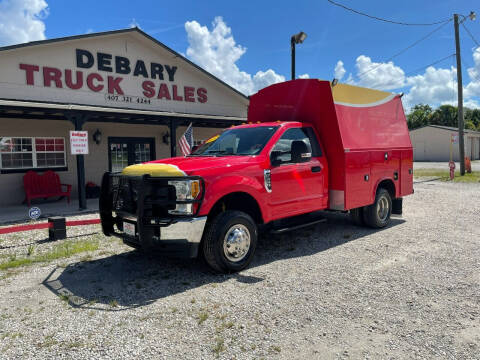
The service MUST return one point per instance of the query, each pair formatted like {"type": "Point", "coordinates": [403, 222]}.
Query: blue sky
{"type": "Point", "coordinates": [246, 43]}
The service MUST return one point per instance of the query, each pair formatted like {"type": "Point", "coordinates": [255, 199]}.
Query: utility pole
{"type": "Point", "coordinates": [461, 146]}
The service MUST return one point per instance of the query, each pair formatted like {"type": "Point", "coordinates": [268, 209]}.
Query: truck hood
{"type": "Point", "coordinates": [186, 166]}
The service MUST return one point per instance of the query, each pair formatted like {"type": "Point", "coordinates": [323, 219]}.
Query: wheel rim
{"type": "Point", "coordinates": [382, 208]}
{"type": "Point", "coordinates": [236, 243]}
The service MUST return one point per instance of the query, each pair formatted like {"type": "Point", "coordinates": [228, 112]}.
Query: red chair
{"type": "Point", "coordinates": [44, 186]}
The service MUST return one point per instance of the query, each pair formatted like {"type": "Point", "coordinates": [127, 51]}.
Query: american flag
{"type": "Point", "coordinates": [186, 141]}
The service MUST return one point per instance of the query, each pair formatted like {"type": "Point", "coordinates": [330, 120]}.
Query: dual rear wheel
{"type": "Point", "coordinates": [376, 215]}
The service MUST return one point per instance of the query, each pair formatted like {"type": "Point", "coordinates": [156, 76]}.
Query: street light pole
{"type": "Point", "coordinates": [292, 45]}
{"type": "Point", "coordinates": [296, 39]}
{"type": "Point", "coordinates": [461, 146]}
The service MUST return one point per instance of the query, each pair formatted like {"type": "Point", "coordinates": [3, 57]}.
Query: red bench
{"type": "Point", "coordinates": [44, 186]}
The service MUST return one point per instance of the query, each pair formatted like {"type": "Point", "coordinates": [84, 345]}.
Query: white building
{"type": "Point", "coordinates": [432, 143]}
{"type": "Point", "coordinates": [125, 86]}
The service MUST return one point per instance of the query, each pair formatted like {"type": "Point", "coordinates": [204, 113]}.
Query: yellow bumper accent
{"type": "Point", "coordinates": [156, 170]}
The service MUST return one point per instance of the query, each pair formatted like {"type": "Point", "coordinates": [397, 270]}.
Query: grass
{"type": "Point", "coordinates": [219, 346]}
{"type": "Point", "coordinates": [59, 251]}
{"type": "Point", "coordinates": [202, 316]}
{"type": "Point", "coordinates": [444, 175]}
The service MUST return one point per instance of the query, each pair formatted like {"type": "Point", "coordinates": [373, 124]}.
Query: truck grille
{"type": "Point", "coordinates": [159, 197]}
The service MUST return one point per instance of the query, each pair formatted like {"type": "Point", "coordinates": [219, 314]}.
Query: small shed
{"type": "Point", "coordinates": [432, 143]}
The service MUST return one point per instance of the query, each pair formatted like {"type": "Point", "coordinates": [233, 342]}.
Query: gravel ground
{"type": "Point", "coordinates": [411, 290]}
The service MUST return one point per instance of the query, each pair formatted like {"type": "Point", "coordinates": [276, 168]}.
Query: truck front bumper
{"type": "Point", "coordinates": [179, 239]}
{"type": "Point", "coordinates": [136, 209]}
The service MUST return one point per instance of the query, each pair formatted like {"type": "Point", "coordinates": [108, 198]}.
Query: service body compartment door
{"type": "Point", "coordinates": [406, 175]}
{"type": "Point", "coordinates": [358, 189]}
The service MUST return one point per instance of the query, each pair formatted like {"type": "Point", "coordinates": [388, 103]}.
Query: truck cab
{"type": "Point", "coordinates": [296, 156]}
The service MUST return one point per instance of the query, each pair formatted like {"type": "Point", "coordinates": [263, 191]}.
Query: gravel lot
{"type": "Point", "coordinates": [333, 291]}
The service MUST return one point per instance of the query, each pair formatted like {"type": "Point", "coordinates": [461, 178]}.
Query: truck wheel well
{"type": "Point", "coordinates": [389, 186]}
{"type": "Point", "coordinates": [238, 201]}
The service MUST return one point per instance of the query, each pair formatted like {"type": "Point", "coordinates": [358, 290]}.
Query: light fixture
{"type": "Point", "coordinates": [296, 39]}
{"type": "Point", "coordinates": [97, 137]}
{"type": "Point", "coordinates": [334, 82]}
{"type": "Point", "coordinates": [299, 38]}
{"type": "Point", "coordinates": [165, 138]}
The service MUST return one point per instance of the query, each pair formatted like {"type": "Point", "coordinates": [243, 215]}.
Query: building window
{"type": "Point", "coordinates": [18, 153]}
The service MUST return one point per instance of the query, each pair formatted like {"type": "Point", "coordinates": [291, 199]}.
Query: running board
{"type": "Point", "coordinates": [296, 227]}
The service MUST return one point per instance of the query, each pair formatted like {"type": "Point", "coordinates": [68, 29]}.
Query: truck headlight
{"type": "Point", "coordinates": [185, 190]}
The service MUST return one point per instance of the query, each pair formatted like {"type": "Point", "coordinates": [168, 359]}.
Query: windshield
{"type": "Point", "coordinates": [242, 141]}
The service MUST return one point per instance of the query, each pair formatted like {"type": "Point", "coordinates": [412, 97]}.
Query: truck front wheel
{"type": "Point", "coordinates": [229, 241]}
{"type": "Point", "coordinates": [378, 214]}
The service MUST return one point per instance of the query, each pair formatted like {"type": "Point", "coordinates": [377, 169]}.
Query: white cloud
{"type": "Point", "coordinates": [385, 76]}
{"type": "Point", "coordinates": [473, 87]}
{"type": "Point", "coordinates": [303, 76]}
{"type": "Point", "coordinates": [22, 21]}
{"type": "Point", "coordinates": [217, 52]}
{"type": "Point", "coordinates": [435, 86]}
{"type": "Point", "coordinates": [134, 23]}
{"type": "Point", "coordinates": [339, 70]}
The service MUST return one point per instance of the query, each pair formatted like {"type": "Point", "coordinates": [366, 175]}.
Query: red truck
{"type": "Point", "coordinates": [308, 146]}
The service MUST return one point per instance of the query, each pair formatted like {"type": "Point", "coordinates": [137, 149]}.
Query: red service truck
{"type": "Point", "coordinates": [308, 146]}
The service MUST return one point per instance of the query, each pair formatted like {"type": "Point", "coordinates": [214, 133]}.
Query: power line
{"type": "Point", "coordinates": [402, 51]}
{"type": "Point", "coordinates": [386, 20]}
{"type": "Point", "coordinates": [469, 33]}
{"type": "Point", "coordinates": [434, 63]}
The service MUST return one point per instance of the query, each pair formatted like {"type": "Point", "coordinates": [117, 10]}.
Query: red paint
{"type": "Point", "coordinates": [148, 89]}
{"type": "Point", "coordinates": [68, 79]}
{"type": "Point", "coordinates": [189, 93]}
{"type": "Point", "coordinates": [82, 222]}
{"type": "Point", "coordinates": [175, 94]}
{"type": "Point", "coordinates": [114, 85]}
{"type": "Point", "coordinates": [90, 82]}
{"type": "Point", "coordinates": [19, 228]}
{"type": "Point", "coordinates": [29, 70]}
{"type": "Point", "coordinates": [163, 92]}
{"type": "Point", "coordinates": [52, 74]}
{"type": "Point", "coordinates": [202, 95]}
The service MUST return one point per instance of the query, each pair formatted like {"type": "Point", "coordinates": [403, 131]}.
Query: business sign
{"type": "Point", "coordinates": [79, 142]}
{"type": "Point", "coordinates": [123, 70]}
{"type": "Point", "coordinates": [102, 63]}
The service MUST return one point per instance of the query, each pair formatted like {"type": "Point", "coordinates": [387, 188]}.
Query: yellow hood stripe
{"type": "Point", "coordinates": [153, 169]}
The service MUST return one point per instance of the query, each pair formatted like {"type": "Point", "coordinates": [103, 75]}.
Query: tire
{"type": "Point", "coordinates": [235, 229]}
{"type": "Point", "coordinates": [356, 215]}
{"type": "Point", "coordinates": [378, 214]}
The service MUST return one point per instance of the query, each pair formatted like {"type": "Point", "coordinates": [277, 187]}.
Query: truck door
{"type": "Point", "coordinates": [297, 187]}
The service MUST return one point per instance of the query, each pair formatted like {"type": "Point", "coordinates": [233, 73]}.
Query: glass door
{"type": "Point", "coordinates": [124, 151]}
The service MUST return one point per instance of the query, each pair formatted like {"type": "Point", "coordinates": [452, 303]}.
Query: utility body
{"type": "Point", "coordinates": [308, 146]}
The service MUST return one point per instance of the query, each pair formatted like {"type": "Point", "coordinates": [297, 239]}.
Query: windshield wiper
{"type": "Point", "coordinates": [221, 152]}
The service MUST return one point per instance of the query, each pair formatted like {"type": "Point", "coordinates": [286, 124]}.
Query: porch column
{"type": "Point", "coordinates": [173, 138]}
{"type": "Point", "coordinates": [78, 119]}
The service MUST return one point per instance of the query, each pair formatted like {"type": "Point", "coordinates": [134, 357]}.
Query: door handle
{"type": "Point", "coordinates": [316, 169]}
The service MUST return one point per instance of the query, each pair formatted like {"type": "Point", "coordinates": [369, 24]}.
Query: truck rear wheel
{"type": "Point", "coordinates": [229, 241]}
{"type": "Point", "coordinates": [378, 214]}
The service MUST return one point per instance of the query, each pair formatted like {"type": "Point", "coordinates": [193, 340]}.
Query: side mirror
{"type": "Point", "coordinates": [275, 158]}
{"type": "Point", "coordinates": [300, 152]}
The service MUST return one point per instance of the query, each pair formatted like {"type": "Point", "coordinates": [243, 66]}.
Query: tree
{"type": "Point", "coordinates": [445, 115]}
{"type": "Point", "coordinates": [419, 116]}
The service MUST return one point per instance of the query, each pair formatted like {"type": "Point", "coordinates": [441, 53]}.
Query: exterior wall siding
{"type": "Point", "coordinates": [433, 144]}
{"type": "Point", "coordinates": [96, 162]}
